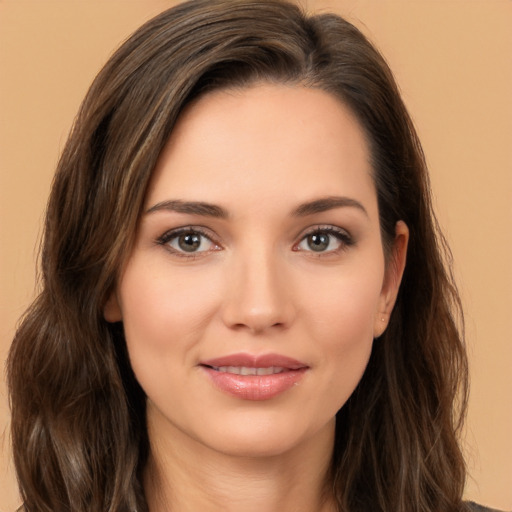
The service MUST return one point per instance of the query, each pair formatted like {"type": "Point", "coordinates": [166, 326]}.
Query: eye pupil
{"type": "Point", "coordinates": [318, 241]}
{"type": "Point", "coordinates": [189, 242]}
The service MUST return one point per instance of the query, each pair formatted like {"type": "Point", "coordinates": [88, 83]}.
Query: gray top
{"type": "Point", "coordinates": [475, 507]}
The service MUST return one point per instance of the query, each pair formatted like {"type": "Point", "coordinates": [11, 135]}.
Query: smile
{"type": "Point", "coordinates": [254, 377]}
{"type": "Point", "coordinates": [247, 370]}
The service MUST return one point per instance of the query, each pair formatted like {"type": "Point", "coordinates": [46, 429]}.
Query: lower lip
{"type": "Point", "coordinates": [255, 387]}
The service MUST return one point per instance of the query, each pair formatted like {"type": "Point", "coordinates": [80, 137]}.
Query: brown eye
{"type": "Point", "coordinates": [189, 242]}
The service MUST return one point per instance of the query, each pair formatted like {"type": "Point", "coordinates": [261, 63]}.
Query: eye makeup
{"type": "Point", "coordinates": [188, 242]}
{"type": "Point", "coordinates": [324, 239]}
{"type": "Point", "coordinates": [196, 241]}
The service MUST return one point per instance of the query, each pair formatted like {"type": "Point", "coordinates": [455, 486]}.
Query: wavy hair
{"type": "Point", "coordinates": [78, 414]}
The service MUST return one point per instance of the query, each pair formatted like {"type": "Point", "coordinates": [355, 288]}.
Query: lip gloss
{"type": "Point", "coordinates": [280, 374]}
{"type": "Point", "coordinates": [255, 387]}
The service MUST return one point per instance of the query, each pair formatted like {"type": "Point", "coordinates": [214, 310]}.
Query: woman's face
{"type": "Point", "coordinates": [257, 282]}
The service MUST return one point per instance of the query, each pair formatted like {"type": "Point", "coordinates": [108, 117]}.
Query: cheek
{"type": "Point", "coordinates": [346, 334]}
{"type": "Point", "coordinates": [164, 313]}
{"type": "Point", "coordinates": [344, 306]}
{"type": "Point", "coordinates": [339, 316]}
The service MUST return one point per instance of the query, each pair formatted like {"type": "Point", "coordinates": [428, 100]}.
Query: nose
{"type": "Point", "coordinates": [258, 298]}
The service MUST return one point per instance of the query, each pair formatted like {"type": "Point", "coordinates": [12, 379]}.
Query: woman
{"type": "Point", "coordinates": [245, 303]}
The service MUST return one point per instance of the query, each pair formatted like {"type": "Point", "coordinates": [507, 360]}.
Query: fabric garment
{"type": "Point", "coordinates": [475, 507]}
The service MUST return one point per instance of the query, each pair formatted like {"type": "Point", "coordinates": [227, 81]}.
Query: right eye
{"type": "Point", "coordinates": [325, 240]}
{"type": "Point", "coordinates": [188, 242]}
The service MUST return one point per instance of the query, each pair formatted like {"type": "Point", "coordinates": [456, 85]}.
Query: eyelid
{"type": "Point", "coordinates": [170, 234]}
{"type": "Point", "coordinates": [343, 235]}
{"type": "Point", "coordinates": [345, 238]}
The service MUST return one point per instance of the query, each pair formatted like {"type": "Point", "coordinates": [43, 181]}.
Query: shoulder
{"type": "Point", "coordinates": [475, 507]}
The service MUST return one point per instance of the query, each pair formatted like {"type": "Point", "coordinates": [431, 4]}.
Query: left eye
{"type": "Point", "coordinates": [324, 241]}
{"type": "Point", "coordinates": [188, 242]}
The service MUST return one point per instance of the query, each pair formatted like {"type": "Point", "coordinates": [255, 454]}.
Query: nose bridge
{"type": "Point", "coordinates": [257, 297]}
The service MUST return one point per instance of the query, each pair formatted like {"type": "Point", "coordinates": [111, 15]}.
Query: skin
{"type": "Point", "coordinates": [255, 285]}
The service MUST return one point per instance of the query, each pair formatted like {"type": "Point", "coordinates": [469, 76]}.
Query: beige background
{"type": "Point", "coordinates": [452, 59]}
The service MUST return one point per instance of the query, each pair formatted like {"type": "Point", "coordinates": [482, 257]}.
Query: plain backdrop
{"type": "Point", "coordinates": [452, 60]}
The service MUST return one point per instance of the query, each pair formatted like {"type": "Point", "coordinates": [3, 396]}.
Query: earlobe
{"type": "Point", "coordinates": [393, 277]}
{"type": "Point", "coordinates": [111, 310]}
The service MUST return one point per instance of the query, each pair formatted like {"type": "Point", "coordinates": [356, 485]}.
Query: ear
{"type": "Point", "coordinates": [392, 278]}
{"type": "Point", "coordinates": [112, 310]}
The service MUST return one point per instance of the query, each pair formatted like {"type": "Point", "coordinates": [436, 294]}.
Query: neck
{"type": "Point", "coordinates": [185, 476]}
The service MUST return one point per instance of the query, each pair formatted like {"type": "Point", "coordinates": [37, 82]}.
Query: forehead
{"type": "Point", "coordinates": [273, 142]}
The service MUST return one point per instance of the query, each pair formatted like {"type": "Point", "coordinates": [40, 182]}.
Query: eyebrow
{"type": "Point", "coordinates": [190, 207]}
{"type": "Point", "coordinates": [212, 210]}
{"type": "Point", "coordinates": [327, 203]}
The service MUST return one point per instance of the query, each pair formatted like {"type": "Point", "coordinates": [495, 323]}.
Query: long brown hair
{"type": "Point", "coordinates": [78, 413]}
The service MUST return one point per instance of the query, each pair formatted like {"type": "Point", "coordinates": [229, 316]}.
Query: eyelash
{"type": "Point", "coordinates": [341, 235]}
{"type": "Point", "coordinates": [170, 235]}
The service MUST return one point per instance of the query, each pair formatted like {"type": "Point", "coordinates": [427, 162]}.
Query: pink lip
{"type": "Point", "coordinates": [256, 361]}
{"type": "Point", "coordinates": [255, 387]}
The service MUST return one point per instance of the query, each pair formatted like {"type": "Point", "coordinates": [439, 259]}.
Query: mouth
{"type": "Point", "coordinates": [249, 377]}
{"type": "Point", "coordinates": [247, 370]}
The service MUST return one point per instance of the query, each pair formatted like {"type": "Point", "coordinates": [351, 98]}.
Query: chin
{"type": "Point", "coordinates": [255, 446]}
{"type": "Point", "coordinates": [266, 438]}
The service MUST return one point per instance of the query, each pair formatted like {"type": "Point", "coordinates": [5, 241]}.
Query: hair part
{"type": "Point", "coordinates": [78, 413]}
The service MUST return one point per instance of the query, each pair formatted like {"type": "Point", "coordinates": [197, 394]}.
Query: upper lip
{"type": "Point", "coordinates": [255, 361]}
